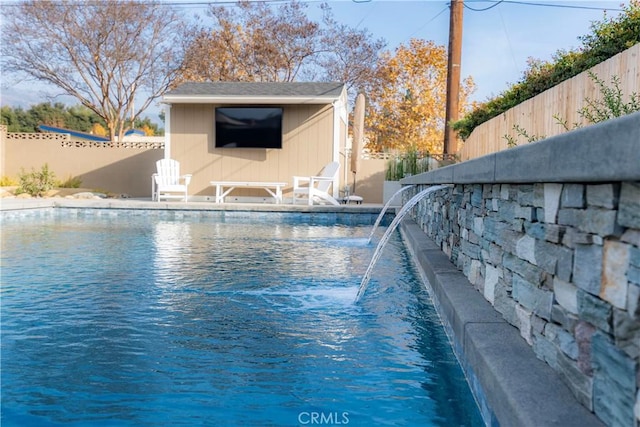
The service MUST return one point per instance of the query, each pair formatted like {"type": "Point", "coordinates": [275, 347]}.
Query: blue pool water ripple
{"type": "Point", "coordinates": [132, 322]}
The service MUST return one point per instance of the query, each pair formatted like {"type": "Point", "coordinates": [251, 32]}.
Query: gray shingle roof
{"type": "Point", "coordinates": [259, 89]}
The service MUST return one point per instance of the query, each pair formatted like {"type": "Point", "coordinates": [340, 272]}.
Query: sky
{"type": "Point", "coordinates": [498, 37]}
{"type": "Point", "coordinates": [496, 43]}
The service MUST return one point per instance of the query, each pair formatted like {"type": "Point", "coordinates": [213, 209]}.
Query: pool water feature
{"type": "Point", "coordinates": [384, 210]}
{"type": "Point", "coordinates": [143, 322]}
{"type": "Point", "coordinates": [389, 232]}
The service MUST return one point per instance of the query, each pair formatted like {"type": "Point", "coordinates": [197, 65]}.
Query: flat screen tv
{"type": "Point", "coordinates": [249, 127]}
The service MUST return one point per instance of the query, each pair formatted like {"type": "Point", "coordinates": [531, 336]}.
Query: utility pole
{"type": "Point", "coordinates": [453, 75]}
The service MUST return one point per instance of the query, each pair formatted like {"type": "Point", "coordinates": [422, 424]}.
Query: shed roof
{"type": "Point", "coordinates": [84, 135]}
{"type": "Point", "coordinates": [74, 133]}
{"type": "Point", "coordinates": [255, 92]}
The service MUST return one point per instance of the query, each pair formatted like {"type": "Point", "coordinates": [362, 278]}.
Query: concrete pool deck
{"type": "Point", "coordinates": [513, 387]}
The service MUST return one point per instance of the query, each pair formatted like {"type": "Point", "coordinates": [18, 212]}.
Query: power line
{"type": "Point", "coordinates": [506, 33]}
{"type": "Point", "coordinates": [230, 2]}
{"type": "Point", "coordinates": [526, 3]}
{"type": "Point", "coordinates": [429, 21]}
{"type": "Point", "coordinates": [495, 3]}
{"type": "Point", "coordinates": [365, 16]}
{"type": "Point", "coordinates": [200, 3]}
{"type": "Point", "coordinates": [482, 10]}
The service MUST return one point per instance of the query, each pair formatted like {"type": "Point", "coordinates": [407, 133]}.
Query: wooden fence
{"type": "Point", "coordinates": [536, 115]}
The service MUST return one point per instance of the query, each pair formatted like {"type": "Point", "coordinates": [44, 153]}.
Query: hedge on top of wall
{"type": "Point", "coordinates": [608, 37]}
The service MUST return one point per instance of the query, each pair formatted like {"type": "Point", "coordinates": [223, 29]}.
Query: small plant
{"type": "Point", "coordinates": [71, 182]}
{"type": "Point", "coordinates": [6, 181]}
{"type": "Point", "coordinates": [563, 122]}
{"type": "Point", "coordinates": [395, 169]}
{"type": "Point", "coordinates": [513, 142]}
{"type": "Point", "coordinates": [411, 163]}
{"type": "Point", "coordinates": [36, 183]}
{"type": "Point", "coordinates": [610, 106]}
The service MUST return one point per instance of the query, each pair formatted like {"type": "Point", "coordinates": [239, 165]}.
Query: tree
{"type": "Point", "coordinates": [256, 43]}
{"type": "Point", "coordinates": [116, 57]}
{"type": "Point", "coordinates": [407, 99]}
{"type": "Point", "coordinates": [149, 128]}
{"type": "Point", "coordinates": [81, 118]}
{"type": "Point", "coordinates": [50, 115]}
{"type": "Point", "coordinates": [259, 42]}
{"type": "Point", "coordinates": [16, 120]}
{"type": "Point", "coordinates": [98, 129]}
{"type": "Point", "coordinates": [76, 118]}
{"type": "Point", "coordinates": [350, 55]}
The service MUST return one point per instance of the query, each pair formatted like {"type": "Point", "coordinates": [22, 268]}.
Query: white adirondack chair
{"type": "Point", "coordinates": [167, 183]}
{"type": "Point", "coordinates": [316, 188]}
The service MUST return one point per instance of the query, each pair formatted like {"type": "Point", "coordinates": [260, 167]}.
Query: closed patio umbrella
{"type": "Point", "coordinates": [358, 136]}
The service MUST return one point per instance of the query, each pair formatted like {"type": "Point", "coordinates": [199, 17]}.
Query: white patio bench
{"type": "Point", "coordinates": [273, 188]}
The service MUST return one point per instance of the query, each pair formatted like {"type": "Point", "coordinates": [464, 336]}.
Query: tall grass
{"type": "Point", "coordinates": [410, 163]}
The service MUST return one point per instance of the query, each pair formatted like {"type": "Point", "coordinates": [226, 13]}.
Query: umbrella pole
{"type": "Point", "coordinates": [354, 182]}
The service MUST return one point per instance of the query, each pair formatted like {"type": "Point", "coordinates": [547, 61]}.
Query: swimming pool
{"type": "Point", "coordinates": [249, 321]}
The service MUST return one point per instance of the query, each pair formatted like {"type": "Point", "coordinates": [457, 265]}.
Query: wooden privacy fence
{"type": "Point", "coordinates": [536, 115]}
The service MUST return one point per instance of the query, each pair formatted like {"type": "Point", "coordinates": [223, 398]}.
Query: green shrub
{"type": "Point", "coordinates": [520, 131]}
{"type": "Point", "coordinates": [410, 163]}
{"type": "Point", "coordinates": [6, 181]}
{"type": "Point", "coordinates": [70, 182]}
{"type": "Point", "coordinates": [612, 103]}
{"type": "Point", "coordinates": [36, 183]}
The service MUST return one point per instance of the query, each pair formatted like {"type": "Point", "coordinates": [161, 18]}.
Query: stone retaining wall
{"type": "Point", "coordinates": [551, 238]}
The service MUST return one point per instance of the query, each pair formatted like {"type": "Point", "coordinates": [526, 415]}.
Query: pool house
{"type": "Point", "coordinates": [255, 132]}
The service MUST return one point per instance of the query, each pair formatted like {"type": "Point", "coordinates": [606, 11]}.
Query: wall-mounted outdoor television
{"type": "Point", "coordinates": [249, 127]}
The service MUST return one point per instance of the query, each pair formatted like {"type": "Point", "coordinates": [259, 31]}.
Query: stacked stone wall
{"type": "Point", "coordinates": [560, 262]}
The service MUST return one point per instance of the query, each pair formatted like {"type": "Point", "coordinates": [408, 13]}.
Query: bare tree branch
{"type": "Point", "coordinates": [116, 57]}
{"type": "Point", "coordinates": [261, 42]}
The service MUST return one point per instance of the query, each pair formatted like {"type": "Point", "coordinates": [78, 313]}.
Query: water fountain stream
{"type": "Point", "coordinates": [384, 210]}
{"type": "Point", "coordinates": [394, 224]}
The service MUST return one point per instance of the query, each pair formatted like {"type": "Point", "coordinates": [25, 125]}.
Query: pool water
{"type": "Point", "coordinates": [136, 321]}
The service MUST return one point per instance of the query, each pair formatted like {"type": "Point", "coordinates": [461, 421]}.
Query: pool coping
{"type": "Point", "coordinates": [512, 386]}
